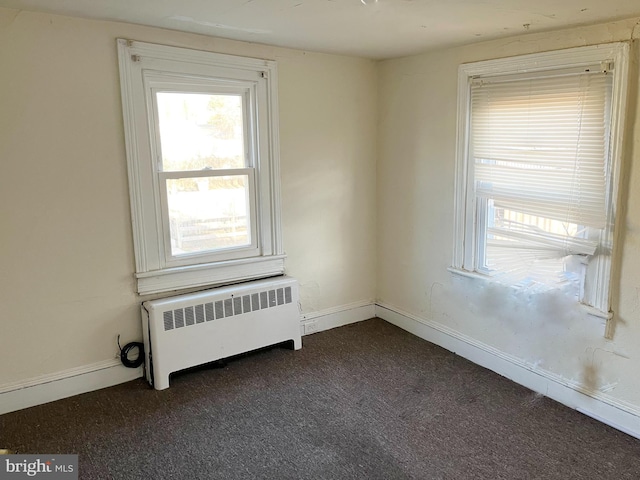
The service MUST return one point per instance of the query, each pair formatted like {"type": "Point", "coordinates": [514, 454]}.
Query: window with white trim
{"type": "Point", "coordinates": [202, 152]}
{"type": "Point", "coordinates": [539, 153]}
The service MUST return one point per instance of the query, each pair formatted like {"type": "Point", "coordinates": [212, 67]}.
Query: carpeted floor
{"type": "Point", "coordinates": [365, 401]}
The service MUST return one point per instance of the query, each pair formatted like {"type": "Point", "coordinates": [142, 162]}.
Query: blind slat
{"type": "Point", "coordinates": [539, 148]}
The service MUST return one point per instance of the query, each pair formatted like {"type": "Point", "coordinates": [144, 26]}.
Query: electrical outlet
{"type": "Point", "coordinates": [310, 327]}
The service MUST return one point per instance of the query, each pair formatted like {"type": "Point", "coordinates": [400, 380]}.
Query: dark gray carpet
{"type": "Point", "coordinates": [366, 401]}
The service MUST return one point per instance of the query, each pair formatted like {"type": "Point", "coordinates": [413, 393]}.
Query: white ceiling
{"type": "Point", "coordinates": [378, 29]}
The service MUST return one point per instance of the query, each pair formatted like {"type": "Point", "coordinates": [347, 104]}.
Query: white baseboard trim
{"type": "Point", "coordinates": [598, 405]}
{"type": "Point", "coordinates": [48, 388]}
{"type": "Point", "coordinates": [337, 316]}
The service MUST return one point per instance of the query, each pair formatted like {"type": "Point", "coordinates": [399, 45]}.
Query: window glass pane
{"type": "Point", "coordinates": [535, 252]}
{"type": "Point", "coordinates": [208, 213]}
{"type": "Point", "coordinates": [200, 131]}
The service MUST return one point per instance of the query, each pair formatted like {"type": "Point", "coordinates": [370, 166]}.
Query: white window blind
{"type": "Point", "coordinates": [537, 170]}
{"type": "Point", "coordinates": [539, 148]}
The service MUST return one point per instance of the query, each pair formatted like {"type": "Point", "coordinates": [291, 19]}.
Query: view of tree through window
{"type": "Point", "coordinates": [202, 135]}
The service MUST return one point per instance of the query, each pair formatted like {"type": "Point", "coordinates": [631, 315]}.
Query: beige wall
{"type": "Point", "coordinates": [67, 288]}
{"type": "Point", "coordinates": [416, 164]}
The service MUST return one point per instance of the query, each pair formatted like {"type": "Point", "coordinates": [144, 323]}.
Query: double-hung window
{"type": "Point", "coordinates": [538, 165]}
{"type": "Point", "coordinates": [201, 135]}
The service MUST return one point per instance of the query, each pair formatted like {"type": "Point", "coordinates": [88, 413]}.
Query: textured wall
{"type": "Point", "coordinates": [416, 167]}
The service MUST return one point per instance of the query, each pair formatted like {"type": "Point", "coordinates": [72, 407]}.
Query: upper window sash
{"type": "Point", "coordinates": [246, 94]}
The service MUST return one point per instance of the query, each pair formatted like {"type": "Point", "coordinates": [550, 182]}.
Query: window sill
{"type": "Point", "coordinates": [210, 274]}
{"type": "Point", "coordinates": [594, 312]}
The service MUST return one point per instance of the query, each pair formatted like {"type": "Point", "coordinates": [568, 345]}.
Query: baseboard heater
{"type": "Point", "coordinates": [190, 330]}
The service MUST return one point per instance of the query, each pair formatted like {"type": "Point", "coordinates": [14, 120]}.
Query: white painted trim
{"type": "Point", "coordinates": [598, 405]}
{"type": "Point", "coordinates": [462, 246]}
{"type": "Point", "coordinates": [212, 275]}
{"type": "Point", "coordinates": [338, 316]}
{"type": "Point", "coordinates": [273, 109]}
{"type": "Point", "coordinates": [143, 65]}
{"type": "Point", "coordinates": [48, 388]}
{"type": "Point", "coordinates": [180, 54]}
{"type": "Point", "coordinates": [598, 278]}
{"type": "Point", "coordinates": [536, 62]}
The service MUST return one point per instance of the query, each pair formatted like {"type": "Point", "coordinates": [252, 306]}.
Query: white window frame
{"type": "Point", "coordinates": [147, 68]}
{"type": "Point", "coordinates": [156, 83]}
{"type": "Point", "coordinates": [596, 296]}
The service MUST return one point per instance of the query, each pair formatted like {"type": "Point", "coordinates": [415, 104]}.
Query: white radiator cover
{"type": "Point", "coordinates": [189, 330]}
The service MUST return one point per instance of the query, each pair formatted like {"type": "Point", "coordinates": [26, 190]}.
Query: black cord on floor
{"type": "Point", "coordinates": [124, 354]}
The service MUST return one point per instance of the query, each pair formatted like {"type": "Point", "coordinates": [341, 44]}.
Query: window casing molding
{"type": "Point", "coordinates": [597, 291]}
{"type": "Point", "coordinates": [148, 68]}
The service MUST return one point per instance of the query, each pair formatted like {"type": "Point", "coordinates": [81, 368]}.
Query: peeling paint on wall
{"type": "Point", "coordinates": [635, 33]}
{"type": "Point", "coordinates": [549, 334]}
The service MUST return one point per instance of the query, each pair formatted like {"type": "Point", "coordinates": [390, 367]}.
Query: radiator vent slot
{"type": "Point", "coordinates": [219, 309]}
{"type": "Point", "coordinates": [188, 315]}
{"type": "Point", "coordinates": [235, 305]}
{"type": "Point", "coordinates": [168, 320]}
{"type": "Point", "coordinates": [199, 313]}
{"type": "Point", "coordinates": [246, 304]}
{"type": "Point", "coordinates": [179, 317]}
{"type": "Point", "coordinates": [280, 296]}
{"type": "Point", "coordinates": [263, 300]}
